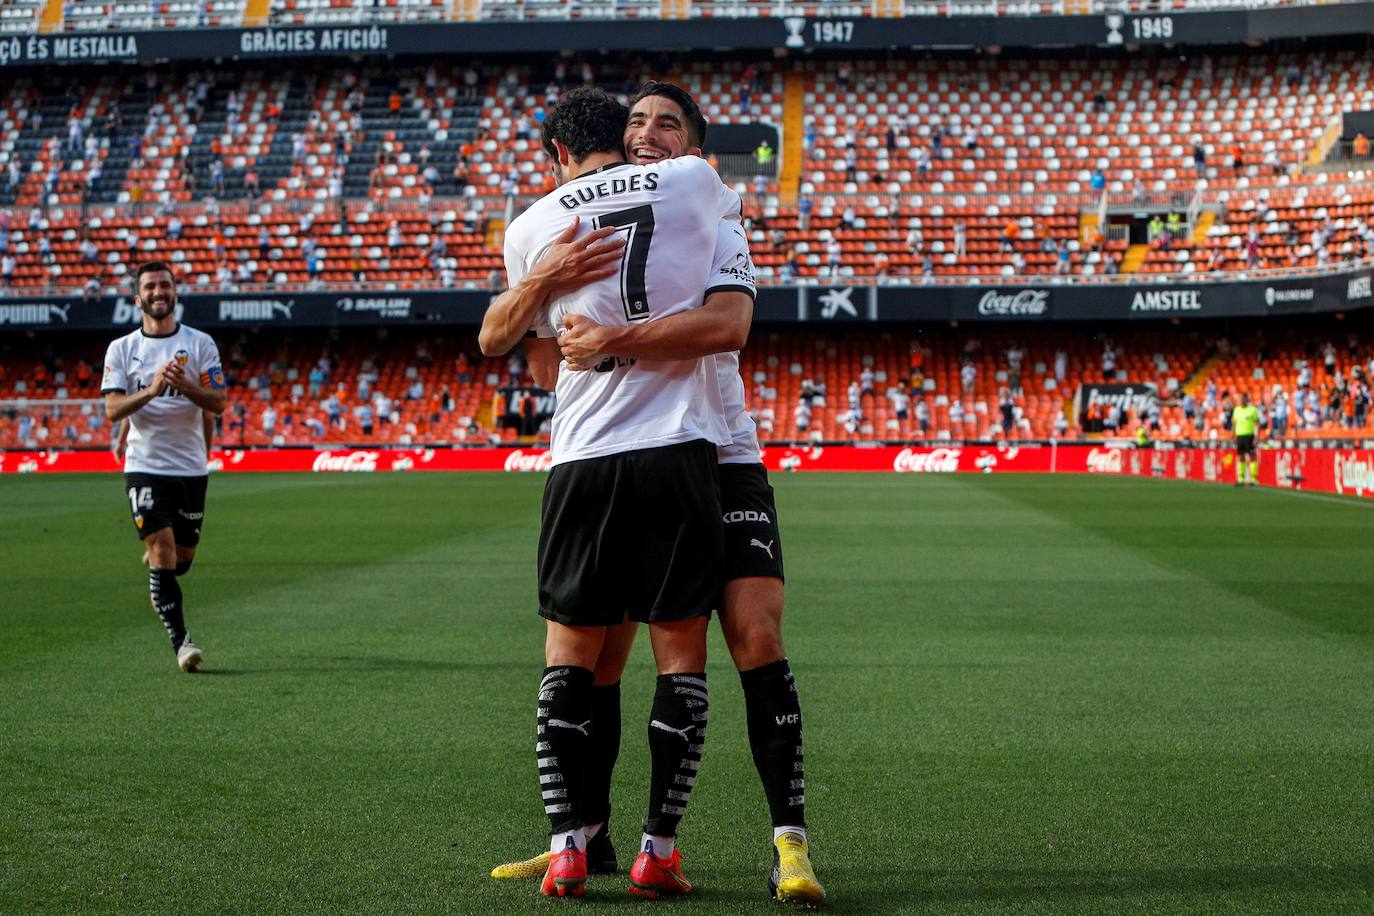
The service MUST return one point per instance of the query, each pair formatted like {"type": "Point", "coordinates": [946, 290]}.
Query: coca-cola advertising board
{"type": "Point", "coordinates": [1347, 472]}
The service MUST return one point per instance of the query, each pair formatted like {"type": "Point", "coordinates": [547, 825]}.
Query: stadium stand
{"type": "Point", "coordinates": [456, 387]}
{"type": "Point", "coordinates": [939, 169]}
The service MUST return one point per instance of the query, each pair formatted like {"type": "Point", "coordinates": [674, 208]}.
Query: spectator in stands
{"type": "Point", "coordinates": [1237, 158]}
{"type": "Point", "coordinates": [250, 182]}
{"type": "Point", "coordinates": [1108, 362]}
{"type": "Point", "coordinates": [269, 421]}
{"type": "Point", "coordinates": [960, 238]}
{"type": "Point", "coordinates": [1359, 147]}
{"type": "Point", "coordinates": [1293, 76]}
{"type": "Point", "coordinates": [881, 264]}
{"type": "Point", "coordinates": [1062, 255]}
{"type": "Point", "coordinates": [1199, 158]}
{"type": "Point", "coordinates": [90, 252]}
{"type": "Point", "coordinates": [394, 239]}
{"type": "Point", "coordinates": [901, 403]}
{"type": "Point", "coordinates": [1007, 406]}
{"type": "Point", "coordinates": [928, 267]}
{"type": "Point", "coordinates": [1272, 161]}
{"type": "Point", "coordinates": [1010, 233]}
{"type": "Point", "coordinates": [915, 239]}
{"type": "Point", "coordinates": [968, 376]}
{"type": "Point", "coordinates": [8, 264]}
{"type": "Point", "coordinates": [804, 214]}
{"type": "Point", "coordinates": [91, 290]}
{"type": "Point", "coordinates": [45, 250]}
{"type": "Point", "coordinates": [834, 253]}
{"type": "Point", "coordinates": [922, 161]}
{"type": "Point", "coordinates": [922, 412]}
{"type": "Point", "coordinates": [1098, 180]}
{"type": "Point", "coordinates": [802, 416]}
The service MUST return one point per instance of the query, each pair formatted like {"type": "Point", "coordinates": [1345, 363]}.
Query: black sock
{"type": "Point", "coordinates": [677, 731]}
{"type": "Point", "coordinates": [601, 754]}
{"type": "Point", "coordinates": [773, 713]}
{"type": "Point", "coordinates": [564, 734]}
{"type": "Point", "coordinates": [166, 594]}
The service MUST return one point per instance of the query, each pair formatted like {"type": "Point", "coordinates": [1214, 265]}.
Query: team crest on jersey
{"type": "Point", "coordinates": [138, 522]}
{"type": "Point", "coordinates": [182, 357]}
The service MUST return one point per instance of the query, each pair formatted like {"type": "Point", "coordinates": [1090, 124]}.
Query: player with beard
{"type": "Point", "coordinates": [163, 378]}
{"type": "Point", "coordinates": [630, 524]}
{"type": "Point", "coordinates": [665, 123]}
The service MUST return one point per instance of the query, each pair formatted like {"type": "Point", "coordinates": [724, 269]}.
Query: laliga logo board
{"type": "Point", "coordinates": [1104, 461]}
{"type": "Point", "coordinates": [1353, 473]}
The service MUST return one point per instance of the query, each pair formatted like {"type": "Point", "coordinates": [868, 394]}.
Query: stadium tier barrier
{"type": "Point", "coordinates": [1347, 472]}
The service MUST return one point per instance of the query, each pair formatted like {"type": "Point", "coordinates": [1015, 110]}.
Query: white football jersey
{"type": "Point", "coordinates": [166, 436]}
{"type": "Point", "coordinates": [733, 269]}
{"type": "Point", "coordinates": [670, 212]}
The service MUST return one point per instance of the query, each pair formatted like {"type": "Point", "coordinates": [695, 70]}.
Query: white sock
{"type": "Point", "coordinates": [779, 831]}
{"type": "Point", "coordinates": [559, 841]}
{"type": "Point", "coordinates": [591, 830]}
{"type": "Point", "coordinates": [663, 845]}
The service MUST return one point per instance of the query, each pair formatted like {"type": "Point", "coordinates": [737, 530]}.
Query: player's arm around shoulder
{"type": "Point", "coordinates": [567, 264]}
{"type": "Point", "coordinates": [721, 325]}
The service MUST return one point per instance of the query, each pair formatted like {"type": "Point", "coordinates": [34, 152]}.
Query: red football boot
{"type": "Point", "coordinates": [567, 874]}
{"type": "Point", "coordinates": [651, 876]}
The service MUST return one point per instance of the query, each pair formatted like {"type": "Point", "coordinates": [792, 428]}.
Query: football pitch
{"type": "Point", "coordinates": [1022, 694]}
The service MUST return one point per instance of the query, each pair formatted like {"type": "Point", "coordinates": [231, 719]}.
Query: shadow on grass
{"type": "Point", "coordinates": [870, 890]}
{"type": "Point", "coordinates": [333, 665]}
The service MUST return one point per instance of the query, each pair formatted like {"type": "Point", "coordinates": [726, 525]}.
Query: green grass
{"type": "Point", "coordinates": [1022, 694]}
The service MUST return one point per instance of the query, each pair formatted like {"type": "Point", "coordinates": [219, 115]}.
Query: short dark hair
{"type": "Point", "coordinates": [586, 120]}
{"type": "Point", "coordinates": [149, 267]}
{"type": "Point", "coordinates": [696, 121]}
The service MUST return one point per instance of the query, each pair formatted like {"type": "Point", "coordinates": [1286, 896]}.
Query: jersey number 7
{"type": "Point", "coordinates": [638, 223]}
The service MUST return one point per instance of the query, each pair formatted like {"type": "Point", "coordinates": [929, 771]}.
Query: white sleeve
{"type": "Point", "coordinates": [115, 376]}
{"type": "Point", "coordinates": [516, 268]}
{"type": "Point", "coordinates": [731, 268]}
{"type": "Point", "coordinates": [700, 182]}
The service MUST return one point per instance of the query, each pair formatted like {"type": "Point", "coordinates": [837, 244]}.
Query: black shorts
{"type": "Point", "coordinates": [752, 544]}
{"type": "Point", "coordinates": [635, 534]}
{"type": "Point", "coordinates": [158, 501]}
{"type": "Point", "coordinates": [1245, 445]}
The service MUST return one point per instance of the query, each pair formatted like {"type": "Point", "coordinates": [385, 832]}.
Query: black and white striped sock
{"type": "Point", "coordinates": [165, 591]}
{"type": "Point", "coordinates": [561, 743]}
{"type": "Point", "coordinates": [677, 733]}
